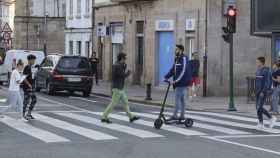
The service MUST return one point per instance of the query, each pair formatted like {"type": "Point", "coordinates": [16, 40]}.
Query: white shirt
{"type": "Point", "coordinates": [15, 81]}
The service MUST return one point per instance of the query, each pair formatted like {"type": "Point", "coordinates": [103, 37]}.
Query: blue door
{"type": "Point", "coordinates": [165, 54]}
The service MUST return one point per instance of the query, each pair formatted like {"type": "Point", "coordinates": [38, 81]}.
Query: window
{"type": "Point", "coordinates": [71, 47]}
{"type": "Point", "coordinates": [71, 8]}
{"type": "Point", "coordinates": [1, 11]}
{"type": "Point", "coordinates": [87, 7]}
{"type": "Point", "coordinates": [79, 47]}
{"type": "Point", "coordinates": [87, 49]}
{"type": "Point", "coordinates": [73, 63]}
{"type": "Point", "coordinates": [79, 3]}
{"type": "Point", "coordinates": [63, 10]}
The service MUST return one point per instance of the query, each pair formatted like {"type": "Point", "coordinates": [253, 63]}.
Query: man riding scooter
{"type": "Point", "coordinates": [181, 74]}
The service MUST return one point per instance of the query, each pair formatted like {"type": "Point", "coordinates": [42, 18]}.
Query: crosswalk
{"type": "Point", "coordinates": [87, 125]}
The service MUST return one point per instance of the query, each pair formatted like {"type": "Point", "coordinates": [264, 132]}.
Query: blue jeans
{"type": "Point", "coordinates": [260, 109]}
{"type": "Point", "coordinates": [275, 99]}
{"type": "Point", "coordinates": [180, 93]}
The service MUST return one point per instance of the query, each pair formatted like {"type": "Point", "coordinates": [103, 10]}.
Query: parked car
{"type": "Point", "coordinates": [11, 57]}
{"type": "Point", "coordinates": [60, 73]}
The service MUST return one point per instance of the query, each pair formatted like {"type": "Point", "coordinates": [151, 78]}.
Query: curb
{"type": "Point", "coordinates": [135, 100]}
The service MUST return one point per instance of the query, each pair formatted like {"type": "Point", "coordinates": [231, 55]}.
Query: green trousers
{"type": "Point", "coordinates": [118, 96]}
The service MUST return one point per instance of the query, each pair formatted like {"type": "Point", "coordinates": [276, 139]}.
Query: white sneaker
{"type": "Point", "coordinates": [260, 126]}
{"type": "Point", "coordinates": [272, 121]}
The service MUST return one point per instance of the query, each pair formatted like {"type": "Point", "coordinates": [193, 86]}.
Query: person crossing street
{"type": "Point", "coordinates": [28, 87]}
{"type": "Point", "coordinates": [263, 84]}
{"type": "Point", "coordinates": [119, 74]}
{"type": "Point", "coordinates": [182, 75]}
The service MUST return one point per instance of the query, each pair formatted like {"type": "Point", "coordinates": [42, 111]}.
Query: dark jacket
{"type": "Point", "coordinates": [180, 71]}
{"type": "Point", "coordinates": [195, 64]}
{"type": "Point", "coordinates": [263, 80]}
{"type": "Point", "coordinates": [119, 75]}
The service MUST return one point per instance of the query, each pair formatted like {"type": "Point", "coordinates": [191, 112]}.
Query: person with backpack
{"type": "Point", "coordinates": [276, 88]}
{"type": "Point", "coordinates": [263, 85]}
{"type": "Point", "coordinates": [181, 73]}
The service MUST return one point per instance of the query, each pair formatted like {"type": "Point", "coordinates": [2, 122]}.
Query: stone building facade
{"type": "Point", "coordinates": [39, 22]}
{"type": "Point", "coordinates": [148, 30]}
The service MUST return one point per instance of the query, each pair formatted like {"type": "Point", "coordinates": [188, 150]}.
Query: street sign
{"type": "Point", "coordinates": [7, 35]}
{"type": "Point", "coordinates": [7, 28]}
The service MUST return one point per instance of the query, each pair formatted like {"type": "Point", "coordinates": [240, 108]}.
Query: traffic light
{"type": "Point", "coordinates": [231, 19]}
{"type": "Point", "coordinates": [226, 35]}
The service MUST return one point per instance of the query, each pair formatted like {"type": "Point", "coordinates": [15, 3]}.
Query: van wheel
{"type": "Point", "coordinates": [50, 90]}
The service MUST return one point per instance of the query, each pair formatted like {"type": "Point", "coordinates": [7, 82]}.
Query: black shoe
{"type": "Point", "coordinates": [30, 116]}
{"type": "Point", "coordinates": [26, 118]}
{"type": "Point", "coordinates": [106, 121]}
{"type": "Point", "coordinates": [134, 118]}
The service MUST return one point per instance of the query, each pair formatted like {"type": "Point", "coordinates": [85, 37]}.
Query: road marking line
{"type": "Point", "coordinates": [174, 129]}
{"type": "Point", "coordinates": [229, 123]}
{"type": "Point", "coordinates": [3, 100]}
{"type": "Point", "coordinates": [92, 134]}
{"type": "Point", "coordinates": [40, 134]}
{"type": "Point", "coordinates": [241, 118]}
{"type": "Point", "coordinates": [80, 98]}
{"type": "Point", "coordinates": [73, 111]}
{"type": "Point", "coordinates": [243, 145]}
{"type": "Point", "coordinates": [116, 127]}
{"type": "Point", "coordinates": [202, 125]}
{"type": "Point", "coordinates": [247, 136]}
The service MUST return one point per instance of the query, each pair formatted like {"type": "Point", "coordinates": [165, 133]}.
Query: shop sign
{"type": "Point", "coordinates": [190, 25]}
{"type": "Point", "coordinates": [164, 25]}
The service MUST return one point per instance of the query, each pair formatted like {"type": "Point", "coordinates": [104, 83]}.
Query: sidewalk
{"type": "Point", "coordinates": [138, 94]}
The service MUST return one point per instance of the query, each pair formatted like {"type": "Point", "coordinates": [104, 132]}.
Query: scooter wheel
{"type": "Point", "coordinates": [189, 122]}
{"type": "Point", "coordinates": [158, 123]}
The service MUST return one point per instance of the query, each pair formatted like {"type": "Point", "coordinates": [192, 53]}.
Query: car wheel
{"type": "Point", "coordinates": [71, 92]}
{"type": "Point", "coordinates": [86, 93]}
{"type": "Point", "coordinates": [50, 90]}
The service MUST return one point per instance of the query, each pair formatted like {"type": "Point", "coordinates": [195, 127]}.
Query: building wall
{"type": "Point", "coordinates": [246, 47]}
{"type": "Point", "coordinates": [30, 25]}
{"type": "Point", "coordinates": [78, 28]}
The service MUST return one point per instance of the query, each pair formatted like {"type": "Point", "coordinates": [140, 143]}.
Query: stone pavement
{"type": "Point", "coordinates": [138, 94]}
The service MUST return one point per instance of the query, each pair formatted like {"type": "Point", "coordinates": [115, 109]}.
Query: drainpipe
{"type": "Point", "coordinates": [205, 58]}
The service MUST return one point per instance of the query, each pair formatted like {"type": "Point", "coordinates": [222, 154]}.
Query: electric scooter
{"type": "Point", "coordinates": [188, 122]}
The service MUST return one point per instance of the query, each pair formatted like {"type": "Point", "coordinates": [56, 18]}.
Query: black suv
{"type": "Point", "coordinates": [71, 73]}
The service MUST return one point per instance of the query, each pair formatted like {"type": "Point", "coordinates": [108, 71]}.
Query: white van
{"type": "Point", "coordinates": [15, 55]}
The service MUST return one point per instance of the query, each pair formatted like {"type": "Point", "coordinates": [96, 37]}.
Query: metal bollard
{"type": "Point", "coordinates": [148, 91]}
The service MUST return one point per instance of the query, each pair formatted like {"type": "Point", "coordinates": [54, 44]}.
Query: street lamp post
{"type": "Point", "coordinates": [93, 25]}
{"type": "Point", "coordinates": [45, 28]}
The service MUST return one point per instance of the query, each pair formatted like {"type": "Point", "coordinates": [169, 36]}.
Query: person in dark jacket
{"type": "Point", "coordinates": [263, 76]}
{"type": "Point", "coordinates": [94, 65]}
{"type": "Point", "coordinates": [118, 80]}
{"type": "Point", "coordinates": [276, 88]}
{"type": "Point", "coordinates": [28, 87]}
{"type": "Point", "coordinates": [181, 74]}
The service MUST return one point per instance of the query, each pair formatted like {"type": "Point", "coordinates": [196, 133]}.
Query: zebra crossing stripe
{"type": "Point", "coordinates": [241, 118]}
{"type": "Point", "coordinates": [89, 133]}
{"type": "Point", "coordinates": [116, 127]}
{"type": "Point", "coordinates": [173, 129]}
{"type": "Point", "coordinates": [202, 125]}
{"type": "Point", "coordinates": [229, 123]}
{"type": "Point", "coordinates": [27, 129]}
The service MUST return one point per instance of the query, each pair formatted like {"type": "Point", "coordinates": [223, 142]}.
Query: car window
{"type": "Point", "coordinates": [73, 63]}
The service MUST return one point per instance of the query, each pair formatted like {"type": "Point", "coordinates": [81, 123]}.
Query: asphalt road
{"type": "Point", "coordinates": [69, 127]}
